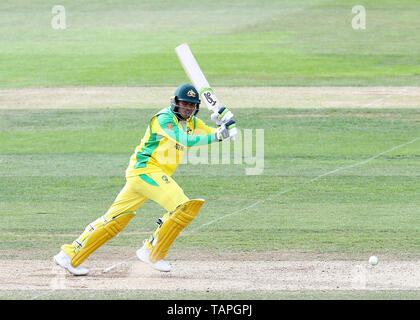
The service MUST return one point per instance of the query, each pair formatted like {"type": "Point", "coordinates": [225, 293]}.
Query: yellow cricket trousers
{"type": "Point", "coordinates": [156, 186]}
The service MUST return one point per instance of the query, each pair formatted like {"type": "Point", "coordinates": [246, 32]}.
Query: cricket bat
{"type": "Point", "coordinates": [199, 81]}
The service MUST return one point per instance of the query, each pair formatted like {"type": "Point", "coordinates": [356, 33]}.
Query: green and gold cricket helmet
{"type": "Point", "coordinates": [187, 93]}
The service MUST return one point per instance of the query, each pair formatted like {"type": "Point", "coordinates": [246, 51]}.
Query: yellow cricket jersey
{"type": "Point", "coordinates": [164, 143]}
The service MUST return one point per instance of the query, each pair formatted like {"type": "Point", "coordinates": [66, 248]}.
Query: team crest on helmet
{"type": "Point", "coordinates": [191, 93]}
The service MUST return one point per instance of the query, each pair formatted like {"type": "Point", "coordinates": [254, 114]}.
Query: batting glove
{"type": "Point", "coordinates": [223, 115]}
{"type": "Point", "coordinates": [226, 130]}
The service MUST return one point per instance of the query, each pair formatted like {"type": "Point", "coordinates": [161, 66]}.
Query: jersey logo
{"type": "Point", "coordinates": [169, 126]}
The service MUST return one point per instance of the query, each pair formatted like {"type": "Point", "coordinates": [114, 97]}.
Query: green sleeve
{"type": "Point", "coordinates": [171, 129]}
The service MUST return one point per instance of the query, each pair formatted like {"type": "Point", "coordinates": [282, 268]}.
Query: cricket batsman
{"type": "Point", "coordinates": [148, 176]}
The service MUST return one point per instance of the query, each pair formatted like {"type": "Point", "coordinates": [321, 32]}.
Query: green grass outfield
{"type": "Point", "coordinates": [251, 42]}
{"type": "Point", "coordinates": [64, 168]}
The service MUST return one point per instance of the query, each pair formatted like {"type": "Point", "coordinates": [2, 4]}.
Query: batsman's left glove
{"type": "Point", "coordinates": [226, 130]}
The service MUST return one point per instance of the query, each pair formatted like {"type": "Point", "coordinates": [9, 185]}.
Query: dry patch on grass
{"type": "Point", "coordinates": [235, 97]}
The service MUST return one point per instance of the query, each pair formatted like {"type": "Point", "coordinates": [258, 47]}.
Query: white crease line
{"type": "Point", "coordinates": [43, 294]}
{"type": "Point", "coordinates": [60, 284]}
{"type": "Point", "coordinates": [376, 101]}
{"type": "Point", "coordinates": [383, 98]}
{"type": "Point", "coordinates": [307, 182]}
{"type": "Point", "coordinates": [118, 264]}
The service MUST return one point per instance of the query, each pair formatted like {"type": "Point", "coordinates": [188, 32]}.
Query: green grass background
{"type": "Point", "coordinates": [64, 168]}
{"type": "Point", "coordinates": [252, 42]}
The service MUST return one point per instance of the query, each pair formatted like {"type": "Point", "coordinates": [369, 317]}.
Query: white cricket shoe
{"type": "Point", "coordinates": [63, 260]}
{"type": "Point", "coordinates": [143, 255]}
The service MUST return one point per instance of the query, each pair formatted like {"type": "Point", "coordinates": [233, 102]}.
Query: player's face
{"type": "Point", "coordinates": [186, 109]}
